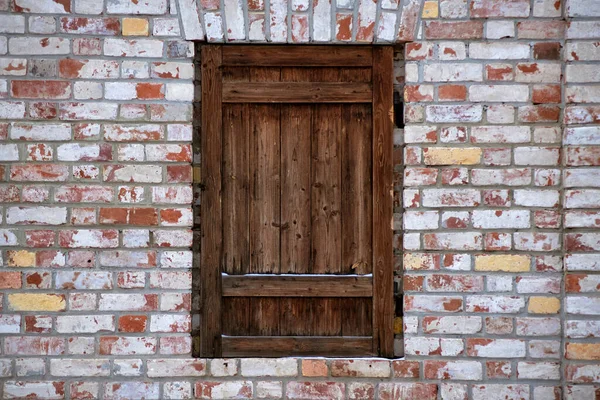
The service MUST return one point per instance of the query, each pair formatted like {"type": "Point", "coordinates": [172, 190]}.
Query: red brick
{"type": "Point", "coordinates": [10, 280]}
{"type": "Point", "coordinates": [452, 92]}
{"type": "Point", "coordinates": [132, 323]}
{"type": "Point", "coordinates": [91, 26]}
{"type": "Point", "coordinates": [546, 94]}
{"type": "Point", "coordinates": [454, 30]}
{"type": "Point", "coordinates": [546, 51]}
{"type": "Point", "coordinates": [41, 89]}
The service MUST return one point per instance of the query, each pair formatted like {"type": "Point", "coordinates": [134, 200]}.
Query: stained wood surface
{"type": "Point", "coordinates": [265, 173]}
{"type": "Point", "coordinates": [296, 135]}
{"type": "Point", "coordinates": [298, 286]}
{"type": "Point", "coordinates": [298, 182]}
{"type": "Point", "coordinates": [297, 92]}
{"type": "Point", "coordinates": [305, 56]}
{"type": "Point", "coordinates": [211, 245]}
{"type": "Point", "coordinates": [236, 182]}
{"type": "Point", "coordinates": [383, 274]}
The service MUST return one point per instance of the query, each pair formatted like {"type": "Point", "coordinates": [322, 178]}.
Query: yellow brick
{"type": "Point", "coordinates": [502, 262]}
{"type": "Point", "coordinates": [452, 155]}
{"type": "Point", "coordinates": [417, 261]}
{"type": "Point", "coordinates": [544, 305]}
{"type": "Point", "coordinates": [197, 174]}
{"type": "Point", "coordinates": [21, 258]}
{"type": "Point", "coordinates": [430, 9]}
{"type": "Point", "coordinates": [398, 327]}
{"type": "Point", "coordinates": [36, 302]}
{"type": "Point", "coordinates": [583, 351]}
{"type": "Point", "coordinates": [135, 27]}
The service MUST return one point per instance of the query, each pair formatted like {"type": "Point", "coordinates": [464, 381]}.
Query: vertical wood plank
{"type": "Point", "coordinates": [383, 287]}
{"type": "Point", "coordinates": [265, 211]}
{"type": "Point", "coordinates": [236, 236]}
{"type": "Point", "coordinates": [211, 237]}
{"type": "Point", "coordinates": [326, 175]}
{"type": "Point", "coordinates": [357, 317]}
{"type": "Point", "coordinates": [295, 179]}
{"type": "Point", "coordinates": [356, 190]}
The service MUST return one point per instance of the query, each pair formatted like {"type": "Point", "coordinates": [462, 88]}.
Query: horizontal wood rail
{"type": "Point", "coordinates": [297, 286]}
{"type": "Point", "coordinates": [297, 92]}
{"type": "Point", "coordinates": [278, 346]}
{"type": "Point", "coordinates": [309, 56]}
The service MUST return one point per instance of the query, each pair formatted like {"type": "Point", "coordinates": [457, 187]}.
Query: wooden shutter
{"type": "Point", "coordinates": [296, 207]}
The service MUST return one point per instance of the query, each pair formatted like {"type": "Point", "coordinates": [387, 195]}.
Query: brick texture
{"type": "Point", "coordinates": [496, 199]}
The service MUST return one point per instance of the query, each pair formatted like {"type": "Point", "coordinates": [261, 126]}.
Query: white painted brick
{"type": "Point", "coordinates": [452, 51]}
{"type": "Point", "coordinates": [234, 15]}
{"type": "Point", "coordinates": [38, 45]}
{"type": "Point", "coordinates": [501, 219]}
{"type": "Point", "coordinates": [499, 29]}
{"type": "Point", "coordinates": [547, 9]}
{"type": "Point", "coordinates": [452, 72]}
{"type": "Point", "coordinates": [79, 367]}
{"type": "Point", "coordinates": [12, 23]}
{"type": "Point", "coordinates": [583, 73]}
{"type": "Point", "coordinates": [269, 367]}
{"type": "Point", "coordinates": [166, 27]}
{"type": "Point", "coordinates": [188, 9]}
{"type": "Point", "coordinates": [213, 25]}
{"type": "Point", "coordinates": [180, 92]}
{"type": "Point", "coordinates": [133, 48]}
{"type": "Point", "coordinates": [43, 6]}
{"type": "Point", "coordinates": [176, 367]}
{"type": "Point", "coordinates": [152, 7]}
{"type": "Point", "coordinates": [87, 90]}
{"type": "Point", "coordinates": [84, 323]}
{"type": "Point", "coordinates": [92, 7]}
{"type": "Point", "coordinates": [499, 51]}
{"type": "Point", "coordinates": [322, 20]}
{"type": "Point", "coordinates": [542, 72]}
{"type": "Point", "coordinates": [421, 220]}
{"type": "Point", "coordinates": [42, 24]}
{"type": "Point", "coordinates": [499, 93]}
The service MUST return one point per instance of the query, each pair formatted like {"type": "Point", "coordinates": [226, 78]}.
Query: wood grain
{"type": "Point", "coordinates": [305, 56]}
{"type": "Point", "coordinates": [211, 238]}
{"type": "Point", "coordinates": [265, 172]}
{"type": "Point", "coordinates": [383, 271]}
{"type": "Point", "coordinates": [236, 196]}
{"type": "Point", "coordinates": [297, 286]}
{"type": "Point", "coordinates": [295, 180]}
{"type": "Point", "coordinates": [297, 92]}
{"type": "Point", "coordinates": [273, 346]}
{"type": "Point", "coordinates": [326, 183]}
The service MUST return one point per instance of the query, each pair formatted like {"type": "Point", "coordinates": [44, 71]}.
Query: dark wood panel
{"type": "Point", "coordinates": [297, 346]}
{"type": "Point", "coordinates": [357, 317]}
{"type": "Point", "coordinates": [211, 238]}
{"type": "Point", "coordinates": [297, 92]}
{"type": "Point", "coordinates": [265, 180]}
{"type": "Point", "coordinates": [326, 175]}
{"type": "Point", "coordinates": [264, 316]}
{"type": "Point", "coordinates": [383, 289]}
{"type": "Point", "coordinates": [306, 56]}
{"type": "Point", "coordinates": [296, 317]}
{"type": "Point", "coordinates": [329, 320]}
{"type": "Point", "coordinates": [295, 180]}
{"type": "Point", "coordinates": [236, 316]}
{"type": "Point", "coordinates": [356, 190]}
{"type": "Point", "coordinates": [298, 286]}
{"type": "Point", "coordinates": [236, 196]}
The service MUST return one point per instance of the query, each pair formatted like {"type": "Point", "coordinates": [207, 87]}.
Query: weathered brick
{"type": "Point", "coordinates": [224, 390]}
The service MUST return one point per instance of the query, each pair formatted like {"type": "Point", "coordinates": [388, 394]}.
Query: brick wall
{"type": "Point", "coordinates": [501, 199]}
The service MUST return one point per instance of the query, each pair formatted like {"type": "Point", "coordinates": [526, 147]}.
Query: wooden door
{"type": "Point", "coordinates": [296, 207]}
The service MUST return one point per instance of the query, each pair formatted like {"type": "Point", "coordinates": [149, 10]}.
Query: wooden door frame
{"type": "Point", "coordinates": [211, 244]}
